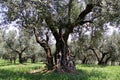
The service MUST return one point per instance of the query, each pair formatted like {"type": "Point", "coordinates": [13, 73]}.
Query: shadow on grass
{"type": "Point", "coordinates": [17, 75]}
{"type": "Point", "coordinates": [7, 64]}
{"type": "Point", "coordinates": [91, 65]}
{"type": "Point", "coordinates": [80, 75]}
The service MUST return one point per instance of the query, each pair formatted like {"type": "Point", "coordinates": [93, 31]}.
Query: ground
{"type": "Point", "coordinates": [37, 71]}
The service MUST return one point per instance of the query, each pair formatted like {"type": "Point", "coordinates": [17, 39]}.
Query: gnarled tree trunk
{"type": "Point", "coordinates": [63, 59]}
{"type": "Point", "coordinates": [44, 44]}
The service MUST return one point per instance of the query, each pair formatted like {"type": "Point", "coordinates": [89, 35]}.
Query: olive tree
{"type": "Point", "coordinates": [61, 18]}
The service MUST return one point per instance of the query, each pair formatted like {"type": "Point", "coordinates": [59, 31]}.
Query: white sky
{"type": "Point", "coordinates": [13, 27]}
{"type": "Point", "coordinates": [111, 29]}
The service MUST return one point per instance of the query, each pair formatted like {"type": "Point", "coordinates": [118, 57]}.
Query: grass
{"type": "Point", "coordinates": [84, 72]}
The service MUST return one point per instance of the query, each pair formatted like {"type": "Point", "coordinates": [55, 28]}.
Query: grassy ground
{"type": "Point", "coordinates": [84, 72]}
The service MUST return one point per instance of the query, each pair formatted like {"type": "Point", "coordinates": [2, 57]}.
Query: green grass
{"type": "Point", "coordinates": [84, 72]}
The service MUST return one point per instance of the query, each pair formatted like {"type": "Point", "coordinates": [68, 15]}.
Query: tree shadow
{"type": "Point", "coordinates": [98, 75]}
{"type": "Point", "coordinates": [7, 64]}
{"type": "Point", "coordinates": [79, 75]}
{"type": "Point", "coordinates": [17, 75]}
{"type": "Point", "coordinates": [92, 65]}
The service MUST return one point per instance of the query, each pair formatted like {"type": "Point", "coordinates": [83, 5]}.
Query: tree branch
{"type": "Point", "coordinates": [83, 22]}
{"type": "Point", "coordinates": [88, 9]}
{"type": "Point", "coordinates": [80, 19]}
{"type": "Point", "coordinates": [49, 22]}
{"type": "Point", "coordinates": [108, 58]}
{"type": "Point", "coordinates": [19, 52]}
{"type": "Point", "coordinates": [24, 49]}
{"type": "Point", "coordinates": [42, 42]}
{"type": "Point", "coordinates": [36, 36]}
{"type": "Point", "coordinates": [47, 38]}
{"type": "Point", "coordinates": [69, 10]}
{"type": "Point", "coordinates": [12, 48]}
{"type": "Point", "coordinates": [94, 52]}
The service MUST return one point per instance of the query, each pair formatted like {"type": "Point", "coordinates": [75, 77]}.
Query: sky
{"type": "Point", "coordinates": [111, 29]}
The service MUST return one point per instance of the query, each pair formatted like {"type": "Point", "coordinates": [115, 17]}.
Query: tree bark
{"type": "Point", "coordinates": [64, 61]}
{"type": "Point", "coordinates": [44, 44]}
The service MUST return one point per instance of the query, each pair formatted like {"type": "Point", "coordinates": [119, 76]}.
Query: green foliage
{"type": "Point", "coordinates": [111, 10]}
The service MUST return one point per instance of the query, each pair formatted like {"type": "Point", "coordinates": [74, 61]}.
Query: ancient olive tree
{"type": "Point", "coordinates": [61, 18]}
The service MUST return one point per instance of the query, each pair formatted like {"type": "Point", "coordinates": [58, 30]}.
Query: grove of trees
{"type": "Point", "coordinates": [64, 20]}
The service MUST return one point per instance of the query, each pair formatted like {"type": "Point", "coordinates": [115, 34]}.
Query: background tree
{"type": "Point", "coordinates": [2, 51]}
{"type": "Point", "coordinates": [114, 39]}
{"type": "Point", "coordinates": [17, 44]}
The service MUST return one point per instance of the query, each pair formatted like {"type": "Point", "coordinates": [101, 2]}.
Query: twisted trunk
{"type": "Point", "coordinates": [49, 58]}
{"type": "Point", "coordinates": [44, 44]}
{"type": "Point", "coordinates": [64, 61]}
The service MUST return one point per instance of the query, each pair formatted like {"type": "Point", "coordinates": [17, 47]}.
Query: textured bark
{"type": "Point", "coordinates": [63, 59]}
{"type": "Point", "coordinates": [44, 44]}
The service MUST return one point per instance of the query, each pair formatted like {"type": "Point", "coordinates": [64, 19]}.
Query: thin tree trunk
{"type": "Point", "coordinates": [14, 60]}
{"type": "Point", "coordinates": [84, 60]}
{"type": "Point", "coordinates": [101, 62]}
{"type": "Point", "coordinates": [20, 58]}
{"type": "Point", "coordinates": [33, 58]}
